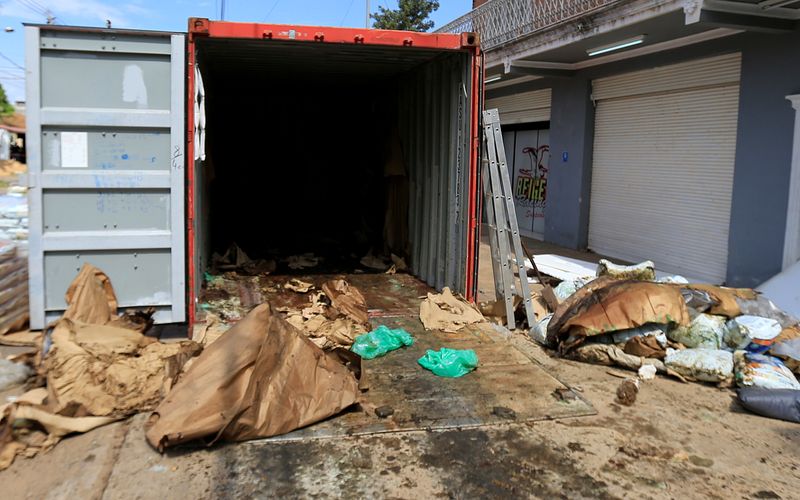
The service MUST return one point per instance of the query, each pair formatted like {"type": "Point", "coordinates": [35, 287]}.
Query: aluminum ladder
{"type": "Point", "coordinates": [504, 238]}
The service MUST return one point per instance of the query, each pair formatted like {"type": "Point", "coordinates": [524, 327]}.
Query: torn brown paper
{"type": "Point", "coordinates": [724, 298]}
{"type": "Point", "coordinates": [102, 370]}
{"type": "Point", "coordinates": [90, 297]}
{"type": "Point", "coordinates": [446, 312]}
{"type": "Point", "coordinates": [261, 378]}
{"type": "Point", "coordinates": [298, 286]}
{"type": "Point", "coordinates": [607, 305]}
{"type": "Point", "coordinates": [347, 300]}
{"type": "Point", "coordinates": [25, 338]}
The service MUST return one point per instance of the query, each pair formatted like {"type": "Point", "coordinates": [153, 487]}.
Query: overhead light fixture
{"type": "Point", "coordinates": [622, 44]}
{"type": "Point", "coordinates": [492, 78]}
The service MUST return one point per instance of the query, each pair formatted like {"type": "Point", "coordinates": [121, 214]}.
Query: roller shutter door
{"type": "Point", "coordinates": [664, 148]}
{"type": "Point", "coordinates": [525, 107]}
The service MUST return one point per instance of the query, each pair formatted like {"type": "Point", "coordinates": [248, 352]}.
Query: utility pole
{"type": "Point", "coordinates": [222, 10]}
{"type": "Point", "coordinates": [366, 23]}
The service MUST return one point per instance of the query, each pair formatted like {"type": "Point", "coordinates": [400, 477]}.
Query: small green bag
{"type": "Point", "coordinates": [450, 362]}
{"type": "Point", "coordinates": [380, 341]}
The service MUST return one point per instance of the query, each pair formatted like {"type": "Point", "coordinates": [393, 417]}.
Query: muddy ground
{"type": "Point", "coordinates": [676, 441]}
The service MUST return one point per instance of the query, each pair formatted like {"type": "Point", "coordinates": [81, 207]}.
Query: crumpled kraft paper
{"type": "Point", "coordinates": [444, 311]}
{"type": "Point", "coordinates": [261, 378]}
{"type": "Point", "coordinates": [347, 299]}
{"type": "Point", "coordinates": [102, 370]}
{"type": "Point", "coordinates": [90, 297]}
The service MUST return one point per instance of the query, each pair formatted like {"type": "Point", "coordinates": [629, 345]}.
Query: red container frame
{"type": "Point", "coordinates": [202, 28]}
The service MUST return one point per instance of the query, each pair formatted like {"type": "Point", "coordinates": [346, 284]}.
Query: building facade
{"type": "Point", "coordinates": [652, 129]}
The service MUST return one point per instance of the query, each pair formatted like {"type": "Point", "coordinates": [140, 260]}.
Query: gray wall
{"type": "Point", "coordinates": [568, 183]}
{"type": "Point", "coordinates": [770, 71]}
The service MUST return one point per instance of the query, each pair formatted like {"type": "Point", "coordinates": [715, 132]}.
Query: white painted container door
{"type": "Point", "coordinates": [662, 178]}
{"type": "Point", "coordinates": [105, 157]}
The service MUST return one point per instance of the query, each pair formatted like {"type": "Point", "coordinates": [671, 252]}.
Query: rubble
{"type": "Point", "coordinates": [627, 391]}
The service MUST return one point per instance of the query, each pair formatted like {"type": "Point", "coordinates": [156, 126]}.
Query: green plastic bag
{"type": "Point", "coordinates": [380, 341]}
{"type": "Point", "coordinates": [450, 362]}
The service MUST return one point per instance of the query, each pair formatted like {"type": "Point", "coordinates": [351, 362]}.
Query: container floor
{"type": "Point", "coordinates": [509, 385]}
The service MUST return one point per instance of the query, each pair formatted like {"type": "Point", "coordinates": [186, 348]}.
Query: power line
{"type": "Point", "coordinates": [32, 7]}
{"type": "Point", "coordinates": [11, 61]}
{"type": "Point", "coordinates": [346, 12]}
{"type": "Point", "coordinates": [273, 8]}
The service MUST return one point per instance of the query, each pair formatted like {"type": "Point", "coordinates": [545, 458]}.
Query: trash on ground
{"type": "Point", "coordinates": [706, 365]}
{"type": "Point", "coordinates": [539, 330]}
{"type": "Point", "coordinates": [95, 373]}
{"type": "Point", "coordinates": [611, 355]}
{"type": "Point", "coordinates": [645, 346]}
{"type": "Point", "coordinates": [721, 301]}
{"type": "Point", "coordinates": [706, 331]}
{"type": "Point", "coordinates": [380, 341]}
{"type": "Point", "coordinates": [444, 311]}
{"type": "Point", "coordinates": [568, 287]}
{"type": "Point", "coordinates": [645, 271]}
{"type": "Point", "coordinates": [12, 374]}
{"type": "Point", "coordinates": [450, 363]}
{"type": "Point", "coordinates": [647, 372]}
{"type": "Point", "coordinates": [760, 370]}
{"type": "Point", "coordinates": [607, 305]}
{"type": "Point", "coordinates": [787, 347]}
{"type": "Point", "coordinates": [261, 378]}
{"type": "Point", "coordinates": [347, 299]}
{"type": "Point", "coordinates": [627, 391]}
{"type": "Point", "coordinates": [372, 262]}
{"type": "Point", "coordinates": [783, 404]}
{"type": "Point", "coordinates": [298, 286]}
{"type": "Point", "coordinates": [24, 338]}
{"type": "Point", "coordinates": [303, 261]}
{"type": "Point", "coordinates": [384, 411]}
{"type": "Point", "coordinates": [752, 333]}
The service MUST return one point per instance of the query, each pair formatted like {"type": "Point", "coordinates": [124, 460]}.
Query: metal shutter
{"type": "Point", "coordinates": [525, 107]}
{"type": "Point", "coordinates": [664, 148]}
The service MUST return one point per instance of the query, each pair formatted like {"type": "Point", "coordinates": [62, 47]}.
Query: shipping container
{"type": "Point", "coordinates": [294, 139]}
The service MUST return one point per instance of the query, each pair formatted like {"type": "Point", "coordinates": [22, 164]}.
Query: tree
{"type": "Point", "coordinates": [5, 107]}
{"type": "Point", "coordinates": [410, 15]}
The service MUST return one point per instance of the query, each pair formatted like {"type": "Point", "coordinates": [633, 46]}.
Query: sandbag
{"type": "Point", "coordinates": [783, 404]}
{"type": "Point", "coordinates": [759, 370]}
{"type": "Point", "coordinates": [751, 333]}
{"type": "Point", "coordinates": [707, 365]}
{"type": "Point", "coordinates": [706, 331]}
{"type": "Point", "coordinates": [645, 271]}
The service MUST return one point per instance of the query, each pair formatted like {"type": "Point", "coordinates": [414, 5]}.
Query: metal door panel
{"type": "Point", "coordinates": [105, 156]}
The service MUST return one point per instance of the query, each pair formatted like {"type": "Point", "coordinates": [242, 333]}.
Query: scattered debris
{"type": "Point", "coordinates": [95, 373]}
{"type": "Point", "coordinates": [446, 312]}
{"type": "Point", "coordinates": [347, 299]}
{"type": "Point", "coordinates": [24, 338]}
{"type": "Point", "coordinates": [298, 286]}
{"type": "Point", "coordinates": [451, 363]}
{"type": "Point", "coordinates": [627, 391]}
{"type": "Point", "coordinates": [304, 261]}
{"type": "Point", "coordinates": [787, 347]}
{"type": "Point", "coordinates": [504, 413]}
{"type": "Point", "coordinates": [751, 333]}
{"type": "Point", "coordinates": [647, 372]}
{"type": "Point", "coordinates": [373, 262]}
{"type": "Point", "coordinates": [248, 384]}
{"type": "Point", "coordinates": [384, 411]}
{"type": "Point", "coordinates": [564, 394]}
{"type": "Point", "coordinates": [707, 365]}
{"type": "Point", "coordinates": [381, 341]}
{"type": "Point", "coordinates": [13, 287]}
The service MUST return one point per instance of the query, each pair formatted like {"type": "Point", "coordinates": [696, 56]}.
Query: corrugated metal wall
{"type": "Point", "coordinates": [435, 129]}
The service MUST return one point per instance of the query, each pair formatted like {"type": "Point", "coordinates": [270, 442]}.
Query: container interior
{"type": "Point", "coordinates": [338, 152]}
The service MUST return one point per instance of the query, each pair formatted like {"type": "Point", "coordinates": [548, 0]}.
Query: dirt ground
{"type": "Point", "coordinates": [676, 441]}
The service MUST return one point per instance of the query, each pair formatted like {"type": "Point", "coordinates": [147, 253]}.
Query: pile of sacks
{"type": "Point", "coordinates": [694, 332]}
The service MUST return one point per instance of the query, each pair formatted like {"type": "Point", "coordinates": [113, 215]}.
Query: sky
{"type": "Point", "coordinates": [171, 15]}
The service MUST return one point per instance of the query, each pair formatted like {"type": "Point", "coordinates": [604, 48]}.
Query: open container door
{"type": "Point", "coordinates": [293, 132]}
{"type": "Point", "coordinates": [106, 165]}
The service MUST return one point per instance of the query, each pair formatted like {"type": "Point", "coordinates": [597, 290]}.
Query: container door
{"type": "Point", "coordinates": [106, 166]}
